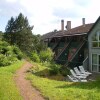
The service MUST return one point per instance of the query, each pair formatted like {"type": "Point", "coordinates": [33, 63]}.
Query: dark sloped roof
{"type": "Point", "coordinates": [74, 31]}
{"type": "Point", "coordinates": [47, 35]}
{"type": "Point", "coordinates": [93, 25]}
{"type": "Point", "coordinates": [77, 30]}
{"type": "Point", "coordinates": [50, 35]}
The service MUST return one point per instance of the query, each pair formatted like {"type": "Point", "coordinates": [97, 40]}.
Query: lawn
{"type": "Point", "coordinates": [8, 89]}
{"type": "Point", "coordinates": [63, 90]}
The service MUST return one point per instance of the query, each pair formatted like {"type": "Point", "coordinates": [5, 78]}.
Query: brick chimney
{"type": "Point", "coordinates": [83, 21]}
{"type": "Point", "coordinates": [62, 25]}
{"type": "Point", "coordinates": [68, 25]}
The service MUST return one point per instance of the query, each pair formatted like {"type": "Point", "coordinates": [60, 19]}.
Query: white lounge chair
{"type": "Point", "coordinates": [77, 76]}
{"type": "Point", "coordinates": [79, 73]}
{"type": "Point", "coordinates": [83, 80]}
{"type": "Point", "coordinates": [73, 79]}
{"type": "Point", "coordinates": [84, 71]}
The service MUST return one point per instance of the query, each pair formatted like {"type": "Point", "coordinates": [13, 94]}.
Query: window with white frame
{"type": "Point", "coordinates": [96, 39]}
{"type": "Point", "coordinates": [94, 63]}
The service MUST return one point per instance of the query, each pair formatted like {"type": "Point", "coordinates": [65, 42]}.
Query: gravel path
{"type": "Point", "coordinates": [27, 91]}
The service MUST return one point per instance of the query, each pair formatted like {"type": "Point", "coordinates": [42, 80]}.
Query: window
{"type": "Point", "coordinates": [94, 63]}
{"type": "Point", "coordinates": [96, 39]}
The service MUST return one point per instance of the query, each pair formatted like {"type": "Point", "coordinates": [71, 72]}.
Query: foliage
{"type": "Point", "coordinates": [46, 55]}
{"type": "Point", "coordinates": [44, 70]}
{"type": "Point", "coordinates": [1, 35]}
{"type": "Point", "coordinates": [18, 31]}
{"type": "Point", "coordinates": [56, 90]}
{"type": "Point", "coordinates": [35, 57]}
{"type": "Point", "coordinates": [43, 56]}
{"type": "Point", "coordinates": [64, 71]}
{"type": "Point", "coordinates": [3, 60]}
{"type": "Point", "coordinates": [18, 53]}
{"type": "Point", "coordinates": [8, 89]}
{"type": "Point", "coordinates": [38, 45]}
{"type": "Point", "coordinates": [9, 54]}
{"type": "Point", "coordinates": [55, 68]}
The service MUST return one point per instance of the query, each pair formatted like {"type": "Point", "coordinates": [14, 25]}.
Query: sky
{"type": "Point", "coordinates": [46, 15]}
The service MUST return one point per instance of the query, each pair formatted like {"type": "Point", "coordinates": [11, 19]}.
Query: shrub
{"type": "Point", "coordinates": [64, 71]}
{"type": "Point", "coordinates": [46, 55]}
{"type": "Point", "coordinates": [18, 52]}
{"type": "Point", "coordinates": [9, 54]}
{"type": "Point", "coordinates": [54, 69]}
{"type": "Point", "coordinates": [4, 43]}
{"type": "Point", "coordinates": [4, 60]}
{"type": "Point", "coordinates": [35, 57]}
{"type": "Point", "coordinates": [12, 59]}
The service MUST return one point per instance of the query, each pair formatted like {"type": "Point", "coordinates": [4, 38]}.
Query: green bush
{"type": "Point", "coordinates": [3, 43]}
{"type": "Point", "coordinates": [12, 59]}
{"type": "Point", "coordinates": [46, 55]}
{"type": "Point", "coordinates": [9, 54]}
{"type": "Point", "coordinates": [35, 57]}
{"type": "Point", "coordinates": [18, 52]}
{"type": "Point", "coordinates": [4, 60]}
{"type": "Point", "coordinates": [54, 69]}
{"type": "Point", "coordinates": [3, 47]}
{"type": "Point", "coordinates": [64, 71]}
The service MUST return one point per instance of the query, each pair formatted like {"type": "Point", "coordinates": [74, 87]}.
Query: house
{"type": "Point", "coordinates": [94, 47]}
{"type": "Point", "coordinates": [76, 46]}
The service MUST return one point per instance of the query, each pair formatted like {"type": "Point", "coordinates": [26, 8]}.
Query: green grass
{"type": "Point", "coordinates": [61, 90]}
{"type": "Point", "coordinates": [8, 89]}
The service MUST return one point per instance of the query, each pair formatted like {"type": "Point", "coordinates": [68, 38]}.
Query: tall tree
{"type": "Point", "coordinates": [1, 35]}
{"type": "Point", "coordinates": [19, 32]}
{"type": "Point", "coordinates": [10, 30]}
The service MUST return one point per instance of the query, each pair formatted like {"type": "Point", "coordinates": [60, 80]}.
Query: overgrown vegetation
{"type": "Point", "coordinates": [62, 90]}
{"type": "Point", "coordinates": [8, 89]}
{"type": "Point", "coordinates": [47, 70]}
{"type": "Point", "coordinates": [42, 56]}
{"type": "Point", "coordinates": [35, 57]}
{"type": "Point", "coordinates": [19, 32]}
{"type": "Point", "coordinates": [46, 55]}
{"type": "Point", "coordinates": [9, 54]}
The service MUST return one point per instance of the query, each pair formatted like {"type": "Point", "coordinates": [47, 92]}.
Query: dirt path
{"type": "Point", "coordinates": [26, 90]}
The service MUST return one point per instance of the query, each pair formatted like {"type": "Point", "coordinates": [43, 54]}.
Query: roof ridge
{"type": "Point", "coordinates": [76, 30]}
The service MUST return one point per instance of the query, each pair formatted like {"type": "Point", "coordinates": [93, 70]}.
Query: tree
{"type": "Point", "coordinates": [1, 35]}
{"type": "Point", "coordinates": [38, 45]}
{"type": "Point", "coordinates": [19, 32]}
{"type": "Point", "coordinates": [9, 31]}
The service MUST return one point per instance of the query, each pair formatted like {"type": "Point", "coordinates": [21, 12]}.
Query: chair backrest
{"type": "Point", "coordinates": [77, 71]}
{"type": "Point", "coordinates": [72, 72]}
{"type": "Point", "coordinates": [72, 79]}
{"type": "Point", "coordinates": [81, 69]}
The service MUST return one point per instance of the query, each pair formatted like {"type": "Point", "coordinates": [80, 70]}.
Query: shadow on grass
{"type": "Point", "coordinates": [46, 74]}
{"type": "Point", "coordinates": [83, 85]}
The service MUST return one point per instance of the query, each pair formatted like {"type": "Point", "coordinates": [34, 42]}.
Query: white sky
{"type": "Point", "coordinates": [46, 15]}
